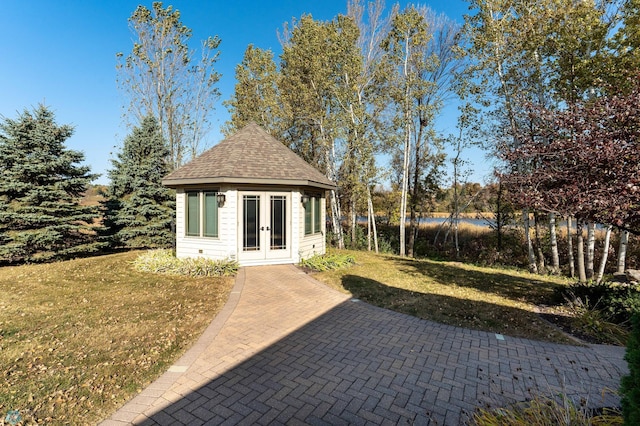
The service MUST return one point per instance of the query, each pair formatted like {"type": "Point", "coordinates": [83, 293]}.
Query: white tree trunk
{"type": "Point", "coordinates": [622, 251]}
{"type": "Point", "coordinates": [605, 254]}
{"type": "Point", "coordinates": [555, 258]}
{"type": "Point", "coordinates": [336, 214]}
{"type": "Point", "coordinates": [335, 219]}
{"type": "Point", "coordinates": [572, 263]}
{"type": "Point", "coordinates": [533, 268]}
{"type": "Point", "coordinates": [407, 147]}
{"type": "Point", "coordinates": [591, 249]}
{"type": "Point", "coordinates": [372, 214]}
{"type": "Point", "coordinates": [403, 196]}
{"type": "Point", "coordinates": [542, 267]}
{"type": "Point", "coordinates": [354, 223]}
{"type": "Point", "coordinates": [368, 227]}
{"type": "Point", "coordinates": [456, 201]}
{"type": "Point", "coordinates": [582, 275]}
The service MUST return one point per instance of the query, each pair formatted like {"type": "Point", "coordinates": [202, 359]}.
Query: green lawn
{"type": "Point", "coordinates": [79, 338]}
{"type": "Point", "coordinates": [497, 300]}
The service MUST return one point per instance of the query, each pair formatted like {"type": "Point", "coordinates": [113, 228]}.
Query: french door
{"type": "Point", "coordinates": [264, 225]}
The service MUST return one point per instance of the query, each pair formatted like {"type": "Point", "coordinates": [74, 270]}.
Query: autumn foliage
{"type": "Point", "coordinates": [582, 161]}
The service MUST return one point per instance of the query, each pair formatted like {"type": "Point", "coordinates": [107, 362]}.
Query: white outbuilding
{"type": "Point", "coordinates": [251, 199]}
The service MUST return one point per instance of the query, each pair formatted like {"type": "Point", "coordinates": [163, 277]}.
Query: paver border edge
{"type": "Point", "coordinates": [131, 410]}
{"type": "Point", "coordinates": [216, 324]}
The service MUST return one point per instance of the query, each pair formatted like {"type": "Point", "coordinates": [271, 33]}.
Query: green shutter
{"type": "Point", "coordinates": [193, 214]}
{"type": "Point", "coordinates": [211, 214]}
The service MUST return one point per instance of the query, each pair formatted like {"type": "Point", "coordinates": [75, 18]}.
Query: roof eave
{"type": "Point", "coordinates": [178, 182]}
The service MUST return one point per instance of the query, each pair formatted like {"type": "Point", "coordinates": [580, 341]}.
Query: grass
{"type": "Point", "coordinates": [496, 300]}
{"type": "Point", "coordinates": [79, 338]}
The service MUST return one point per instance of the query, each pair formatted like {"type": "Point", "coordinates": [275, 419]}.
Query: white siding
{"type": "Point", "coordinates": [223, 247]}
{"type": "Point", "coordinates": [226, 245]}
{"type": "Point", "coordinates": [314, 243]}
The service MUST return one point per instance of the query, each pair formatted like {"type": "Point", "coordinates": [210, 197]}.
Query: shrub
{"type": "Point", "coordinates": [165, 262]}
{"type": "Point", "coordinates": [618, 302]}
{"type": "Point", "coordinates": [593, 321]}
{"type": "Point", "coordinates": [542, 411]}
{"type": "Point", "coordinates": [327, 262]}
{"type": "Point", "coordinates": [630, 384]}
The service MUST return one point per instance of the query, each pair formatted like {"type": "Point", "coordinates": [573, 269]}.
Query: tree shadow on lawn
{"type": "Point", "coordinates": [447, 309]}
{"type": "Point", "coordinates": [521, 289]}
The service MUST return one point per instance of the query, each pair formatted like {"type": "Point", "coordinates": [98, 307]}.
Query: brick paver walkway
{"type": "Point", "coordinates": [289, 350]}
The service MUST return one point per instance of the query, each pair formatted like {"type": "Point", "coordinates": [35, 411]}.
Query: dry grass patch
{"type": "Point", "coordinates": [79, 338]}
{"type": "Point", "coordinates": [489, 299]}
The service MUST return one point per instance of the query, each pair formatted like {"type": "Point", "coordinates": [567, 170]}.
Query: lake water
{"type": "Point", "coordinates": [440, 220]}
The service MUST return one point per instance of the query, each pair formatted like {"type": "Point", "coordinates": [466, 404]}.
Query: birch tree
{"type": "Point", "coordinates": [311, 71]}
{"type": "Point", "coordinates": [591, 250]}
{"type": "Point", "coordinates": [605, 254]}
{"type": "Point", "coordinates": [588, 159]}
{"type": "Point", "coordinates": [553, 59]}
{"type": "Point", "coordinates": [400, 71]}
{"type": "Point", "coordinates": [622, 251]}
{"type": "Point", "coordinates": [361, 109]}
{"type": "Point", "coordinates": [164, 77]}
{"type": "Point", "coordinates": [497, 63]}
{"type": "Point", "coordinates": [442, 62]}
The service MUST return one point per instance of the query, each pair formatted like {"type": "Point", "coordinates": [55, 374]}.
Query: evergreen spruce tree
{"type": "Point", "coordinates": [139, 211]}
{"type": "Point", "coordinates": [41, 183]}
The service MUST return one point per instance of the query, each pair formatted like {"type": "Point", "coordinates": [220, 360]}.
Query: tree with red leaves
{"type": "Point", "coordinates": [583, 161]}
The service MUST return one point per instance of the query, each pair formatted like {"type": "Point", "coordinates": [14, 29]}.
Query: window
{"type": "Point", "coordinates": [202, 214]}
{"type": "Point", "coordinates": [316, 215]}
{"type": "Point", "coordinates": [193, 214]}
{"type": "Point", "coordinates": [312, 214]}
{"type": "Point", "coordinates": [210, 214]}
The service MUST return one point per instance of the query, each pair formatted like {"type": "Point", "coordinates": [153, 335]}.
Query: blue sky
{"type": "Point", "coordinates": [63, 54]}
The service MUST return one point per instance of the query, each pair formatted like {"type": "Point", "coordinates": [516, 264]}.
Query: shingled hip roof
{"type": "Point", "coordinates": [249, 156]}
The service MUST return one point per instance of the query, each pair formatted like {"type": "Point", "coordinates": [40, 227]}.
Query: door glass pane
{"type": "Point", "coordinates": [193, 214]}
{"type": "Point", "coordinates": [251, 223]}
{"type": "Point", "coordinates": [278, 222]}
{"type": "Point", "coordinates": [210, 214]}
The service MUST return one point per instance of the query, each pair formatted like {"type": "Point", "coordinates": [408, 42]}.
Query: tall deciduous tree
{"type": "Point", "coordinates": [412, 76]}
{"type": "Point", "coordinates": [163, 77]}
{"type": "Point", "coordinates": [41, 217]}
{"type": "Point", "coordinates": [311, 73]}
{"type": "Point", "coordinates": [626, 46]}
{"type": "Point", "coordinates": [256, 93]}
{"type": "Point", "coordinates": [548, 52]}
{"type": "Point", "coordinates": [588, 160]}
{"type": "Point", "coordinates": [139, 210]}
{"type": "Point", "coordinates": [443, 61]}
{"type": "Point", "coordinates": [400, 72]}
{"type": "Point", "coordinates": [363, 111]}
{"type": "Point", "coordinates": [499, 73]}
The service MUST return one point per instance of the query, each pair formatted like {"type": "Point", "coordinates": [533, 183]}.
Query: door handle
{"type": "Point", "coordinates": [262, 228]}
